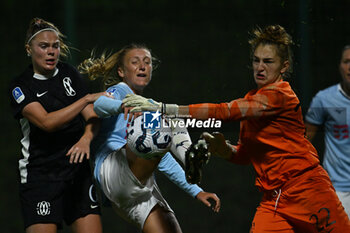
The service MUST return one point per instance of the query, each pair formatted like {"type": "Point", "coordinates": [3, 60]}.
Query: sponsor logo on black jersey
{"type": "Point", "coordinates": [67, 83]}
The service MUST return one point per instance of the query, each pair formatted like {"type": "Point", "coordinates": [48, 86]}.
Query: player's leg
{"type": "Point", "coordinates": [344, 197]}
{"type": "Point", "coordinates": [196, 157]}
{"type": "Point", "coordinates": [266, 221]}
{"type": "Point", "coordinates": [161, 221]}
{"type": "Point", "coordinates": [309, 203]}
{"type": "Point", "coordinates": [141, 168]}
{"type": "Point", "coordinates": [42, 228]}
{"type": "Point", "coordinates": [81, 208]}
{"type": "Point", "coordinates": [41, 205]}
{"type": "Point", "coordinates": [88, 224]}
{"type": "Point", "coordinates": [130, 199]}
{"type": "Point", "coordinates": [316, 204]}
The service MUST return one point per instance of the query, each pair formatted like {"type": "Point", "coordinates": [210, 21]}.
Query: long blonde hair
{"type": "Point", "coordinates": [106, 66]}
{"type": "Point", "coordinates": [278, 36]}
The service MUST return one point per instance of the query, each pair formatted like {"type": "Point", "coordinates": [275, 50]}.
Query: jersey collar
{"type": "Point", "coordinates": [342, 91]}
{"type": "Point", "coordinates": [45, 77]}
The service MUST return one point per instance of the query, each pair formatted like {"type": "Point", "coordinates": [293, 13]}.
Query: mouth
{"type": "Point", "coordinates": [260, 76]}
{"type": "Point", "coordinates": [50, 61]}
{"type": "Point", "coordinates": [141, 75]}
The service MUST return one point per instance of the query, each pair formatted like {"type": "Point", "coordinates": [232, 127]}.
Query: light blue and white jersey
{"type": "Point", "coordinates": [331, 108]}
{"type": "Point", "coordinates": [112, 136]}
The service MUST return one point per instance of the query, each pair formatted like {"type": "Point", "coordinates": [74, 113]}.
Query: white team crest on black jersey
{"type": "Point", "coordinates": [43, 208]}
{"type": "Point", "coordinates": [67, 83]}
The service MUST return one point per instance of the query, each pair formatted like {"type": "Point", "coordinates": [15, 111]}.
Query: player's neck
{"type": "Point", "coordinates": [346, 88]}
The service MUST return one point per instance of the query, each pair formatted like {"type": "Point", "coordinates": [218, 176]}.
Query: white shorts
{"type": "Point", "coordinates": [133, 200]}
{"type": "Point", "coordinates": [344, 197]}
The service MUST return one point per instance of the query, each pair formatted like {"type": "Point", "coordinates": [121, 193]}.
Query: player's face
{"type": "Point", "coordinates": [267, 65]}
{"type": "Point", "coordinates": [45, 51]}
{"type": "Point", "coordinates": [344, 67]}
{"type": "Point", "coordinates": [137, 69]}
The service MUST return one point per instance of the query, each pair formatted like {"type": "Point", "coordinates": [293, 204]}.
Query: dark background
{"type": "Point", "coordinates": [204, 57]}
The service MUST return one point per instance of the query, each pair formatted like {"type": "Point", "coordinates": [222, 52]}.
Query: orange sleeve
{"type": "Point", "coordinates": [252, 106]}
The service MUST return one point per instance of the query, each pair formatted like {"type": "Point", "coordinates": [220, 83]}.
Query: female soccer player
{"type": "Point", "coordinates": [126, 179]}
{"type": "Point", "coordinates": [298, 194]}
{"type": "Point", "coordinates": [56, 116]}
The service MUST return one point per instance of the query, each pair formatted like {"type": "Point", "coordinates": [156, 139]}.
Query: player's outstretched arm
{"type": "Point", "coordinates": [139, 103]}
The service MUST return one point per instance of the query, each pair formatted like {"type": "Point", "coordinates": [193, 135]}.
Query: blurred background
{"type": "Point", "coordinates": [204, 57]}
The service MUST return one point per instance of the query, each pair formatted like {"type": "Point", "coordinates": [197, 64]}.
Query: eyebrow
{"type": "Point", "coordinates": [46, 42]}
{"type": "Point", "coordinates": [266, 58]}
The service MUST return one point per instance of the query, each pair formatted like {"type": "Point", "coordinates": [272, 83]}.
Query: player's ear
{"type": "Point", "coordinates": [285, 67]}
{"type": "Point", "coordinates": [120, 72]}
{"type": "Point", "coordinates": [28, 50]}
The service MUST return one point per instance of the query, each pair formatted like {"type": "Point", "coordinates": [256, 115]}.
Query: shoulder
{"type": "Point", "coordinates": [327, 93]}
{"type": "Point", "coordinates": [282, 88]}
{"type": "Point", "coordinates": [67, 69]}
{"type": "Point", "coordinates": [65, 66]}
{"type": "Point", "coordinates": [23, 79]}
{"type": "Point", "coordinates": [121, 87]}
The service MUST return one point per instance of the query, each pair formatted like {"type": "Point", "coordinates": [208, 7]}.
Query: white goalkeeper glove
{"type": "Point", "coordinates": [142, 104]}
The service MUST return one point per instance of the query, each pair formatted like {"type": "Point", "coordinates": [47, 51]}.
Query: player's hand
{"type": "Point", "coordinates": [205, 198]}
{"type": "Point", "coordinates": [80, 150]}
{"type": "Point", "coordinates": [218, 145]}
{"type": "Point", "coordinates": [91, 98]}
{"type": "Point", "coordinates": [141, 104]}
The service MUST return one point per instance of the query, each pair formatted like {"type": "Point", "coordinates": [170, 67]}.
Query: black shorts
{"type": "Point", "coordinates": [55, 201]}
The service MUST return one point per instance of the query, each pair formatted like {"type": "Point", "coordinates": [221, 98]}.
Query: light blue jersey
{"type": "Point", "coordinates": [331, 108]}
{"type": "Point", "coordinates": [112, 136]}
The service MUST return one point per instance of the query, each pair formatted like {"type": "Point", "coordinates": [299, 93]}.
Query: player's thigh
{"type": "Point", "coordinates": [344, 197]}
{"type": "Point", "coordinates": [161, 221]}
{"type": "Point", "coordinates": [80, 198]}
{"type": "Point", "coordinates": [41, 203]}
{"type": "Point", "coordinates": [266, 220]}
{"type": "Point", "coordinates": [42, 228]}
{"type": "Point", "coordinates": [88, 224]}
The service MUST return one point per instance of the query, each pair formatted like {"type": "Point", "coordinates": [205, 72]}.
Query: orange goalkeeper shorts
{"type": "Point", "coordinates": [305, 204]}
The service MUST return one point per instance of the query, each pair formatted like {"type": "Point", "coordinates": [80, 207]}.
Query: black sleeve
{"type": "Point", "coordinates": [20, 96]}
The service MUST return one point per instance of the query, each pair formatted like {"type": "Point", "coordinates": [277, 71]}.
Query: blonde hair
{"type": "Point", "coordinates": [274, 35]}
{"type": "Point", "coordinates": [36, 25]}
{"type": "Point", "coordinates": [106, 66]}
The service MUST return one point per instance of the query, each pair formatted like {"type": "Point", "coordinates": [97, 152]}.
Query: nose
{"type": "Point", "coordinates": [261, 66]}
{"type": "Point", "coordinates": [142, 66]}
{"type": "Point", "coordinates": [50, 51]}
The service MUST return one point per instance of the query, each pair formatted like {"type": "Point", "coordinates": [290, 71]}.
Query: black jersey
{"type": "Point", "coordinates": [43, 153]}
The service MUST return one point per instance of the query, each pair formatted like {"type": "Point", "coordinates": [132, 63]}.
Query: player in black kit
{"type": "Point", "coordinates": [51, 103]}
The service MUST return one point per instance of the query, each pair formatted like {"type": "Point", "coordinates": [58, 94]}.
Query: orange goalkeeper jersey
{"type": "Point", "coordinates": [272, 134]}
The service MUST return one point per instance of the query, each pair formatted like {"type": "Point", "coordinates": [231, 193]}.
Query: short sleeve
{"type": "Point", "coordinates": [20, 96]}
{"type": "Point", "coordinates": [316, 112]}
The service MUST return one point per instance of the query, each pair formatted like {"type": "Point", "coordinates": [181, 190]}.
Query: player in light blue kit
{"type": "Point", "coordinates": [331, 108]}
{"type": "Point", "coordinates": [126, 179]}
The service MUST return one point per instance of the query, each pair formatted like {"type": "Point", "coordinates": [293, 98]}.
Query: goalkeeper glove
{"type": "Point", "coordinates": [142, 104]}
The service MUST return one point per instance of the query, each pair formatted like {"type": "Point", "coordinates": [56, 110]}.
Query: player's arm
{"type": "Point", "coordinates": [82, 148]}
{"type": "Point", "coordinates": [53, 121]}
{"type": "Point", "coordinates": [106, 107]}
{"type": "Point", "coordinates": [311, 130]}
{"type": "Point", "coordinates": [173, 171]}
{"type": "Point", "coordinates": [263, 104]}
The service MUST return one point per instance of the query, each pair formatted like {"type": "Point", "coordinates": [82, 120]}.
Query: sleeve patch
{"type": "Point", "coordinates": [18, 94]}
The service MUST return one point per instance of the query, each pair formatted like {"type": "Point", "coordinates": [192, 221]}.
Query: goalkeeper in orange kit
{"type": "Point", "coordinates": [298, 194]}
